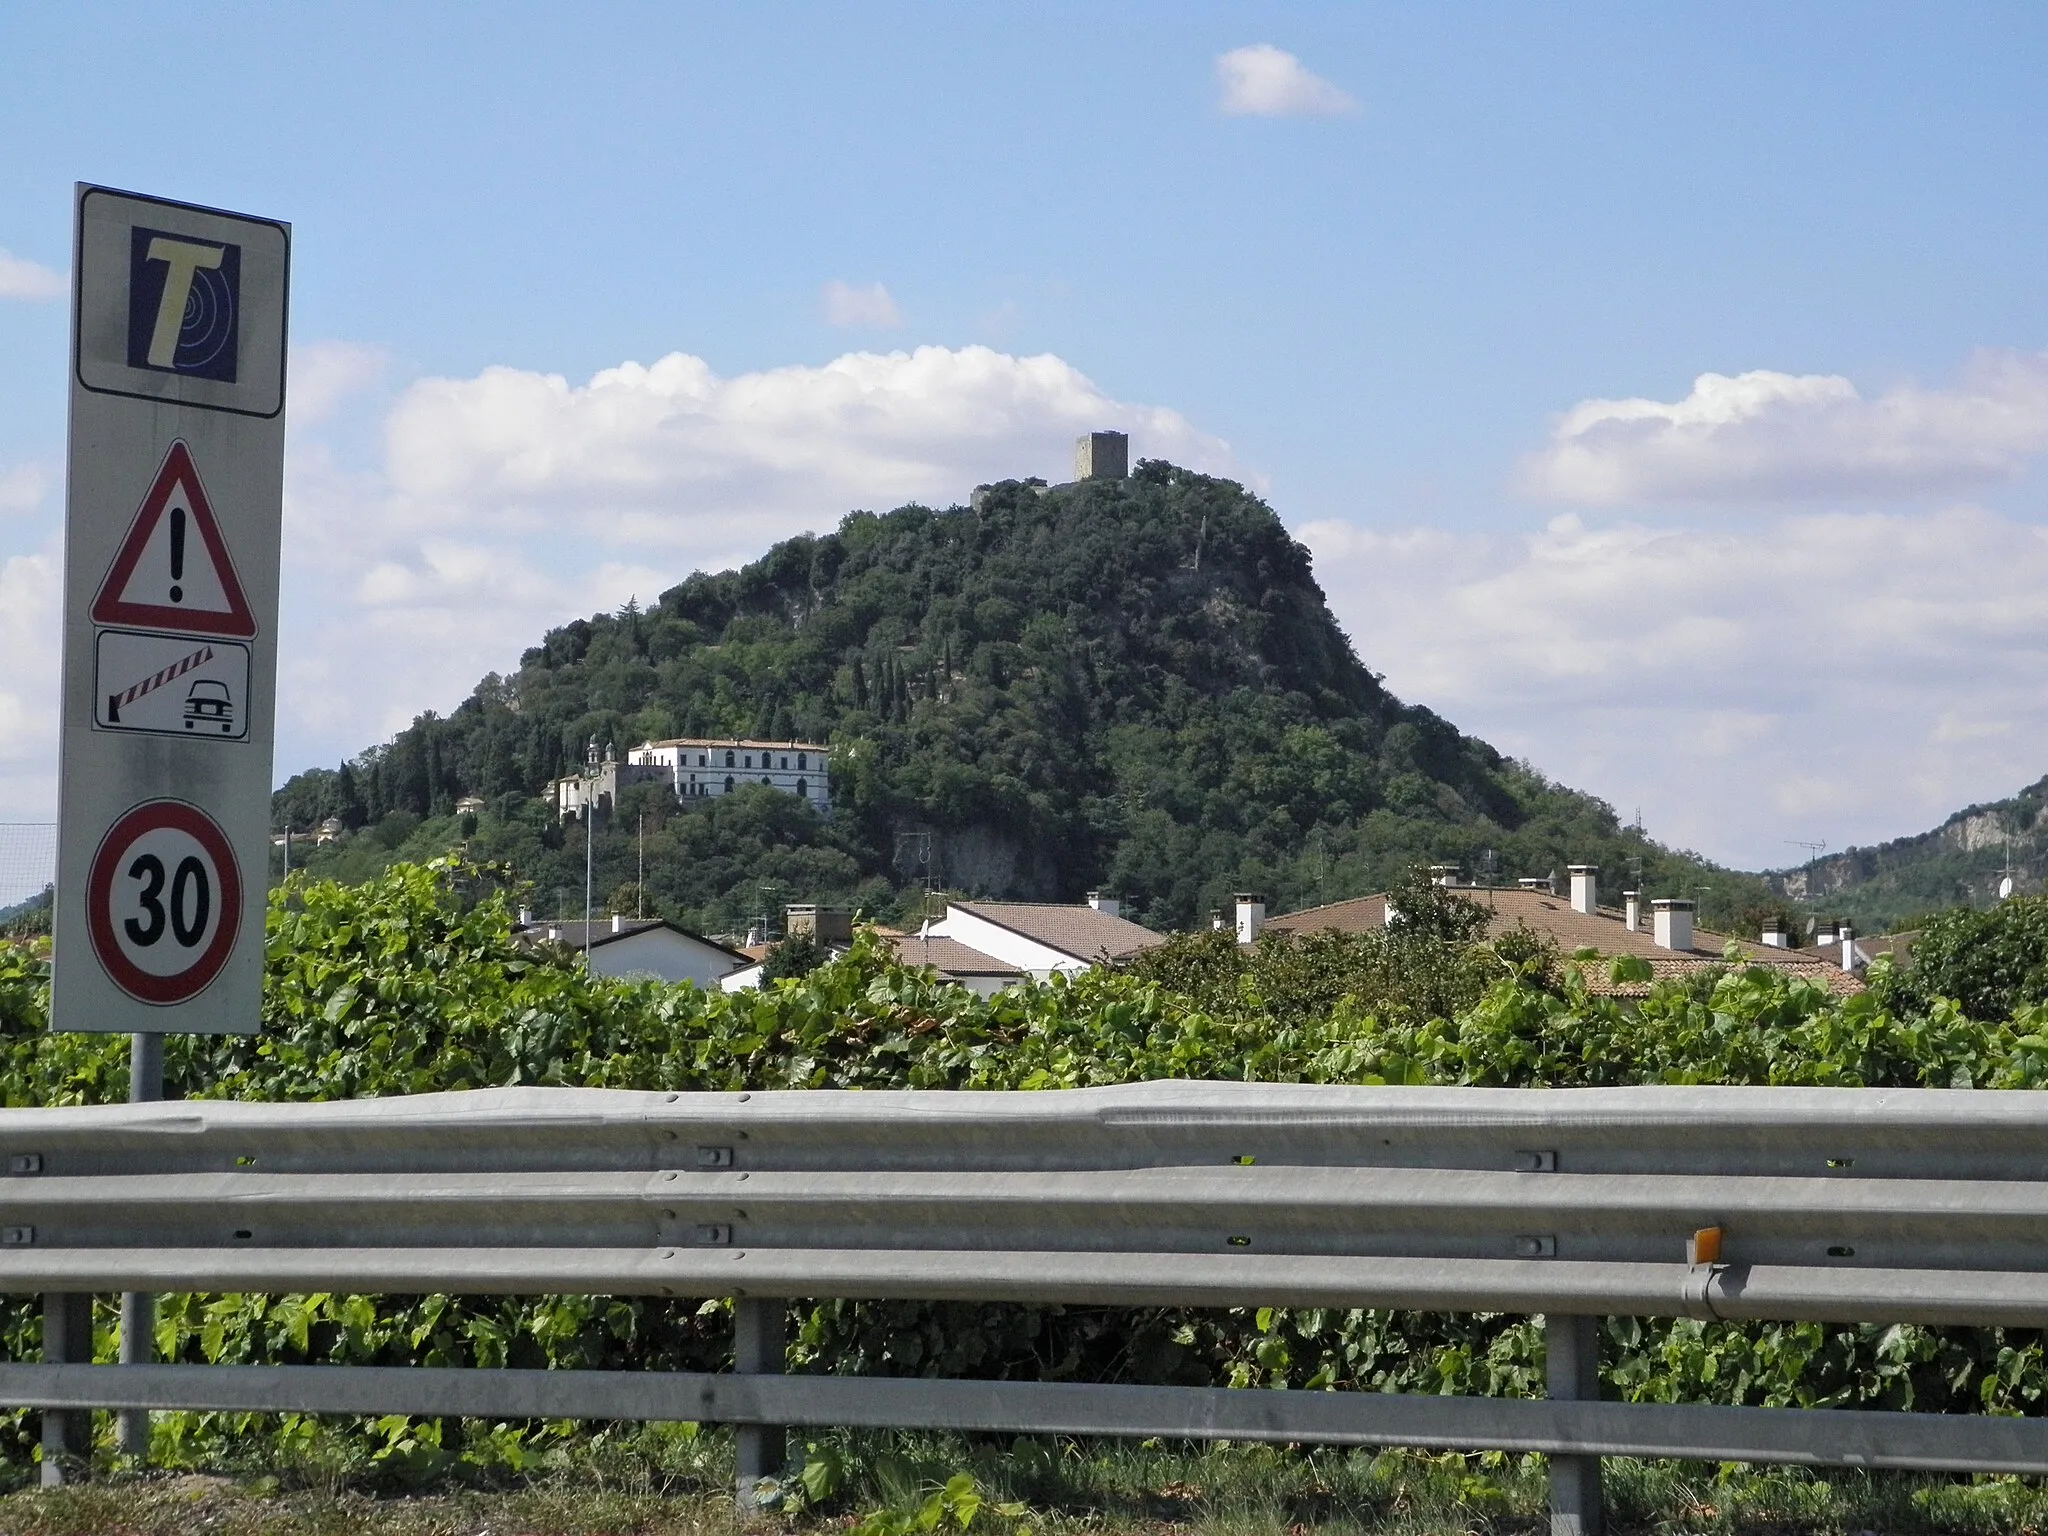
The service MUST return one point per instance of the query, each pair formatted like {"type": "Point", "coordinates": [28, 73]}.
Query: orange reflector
{"type": "Point", "coordinates": [1704, 1246]}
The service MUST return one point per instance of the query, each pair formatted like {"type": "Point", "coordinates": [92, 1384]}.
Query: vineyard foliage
{"type": "Point", "coordinates": [412, 984]}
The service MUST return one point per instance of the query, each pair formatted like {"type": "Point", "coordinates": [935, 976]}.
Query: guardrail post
{"type": "Point", "coordinates": [67, 1340]}
{"type": "Point", "coordinates": [138, 1308]}
{"type": "Point", "coordinates": [760, 1347]}
{"type": "Point", "coordinates": [1572, 1374]}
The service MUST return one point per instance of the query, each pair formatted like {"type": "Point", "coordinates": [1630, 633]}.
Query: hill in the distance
{"type": "Point", "coordinates": [1959, 863]}
{"type": "Point", "coordinates": [1133, 685]}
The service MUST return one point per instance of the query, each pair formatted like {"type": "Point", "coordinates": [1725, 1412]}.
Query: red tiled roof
{"type": "Point", "coordinates": [1602, 931]}
{"type": "Point", "coordinates": [1081, 932]}
{"type": "Point", "coordinates": [948, 956]}
{"type": "Point", "coordinates": [735, 741]}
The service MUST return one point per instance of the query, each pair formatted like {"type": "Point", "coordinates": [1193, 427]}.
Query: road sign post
{"type": "Point", "coordinates": [174, 504]}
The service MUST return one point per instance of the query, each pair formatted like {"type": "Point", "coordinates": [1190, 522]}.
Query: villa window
{"type": "Point", "coordinates": [803, 760]}
{"type": "Point", "coordinates": [803, 789]}
{"type": "Point", "coordinates": [728, 783]}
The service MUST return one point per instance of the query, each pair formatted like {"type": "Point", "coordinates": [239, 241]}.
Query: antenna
{"type": "Point", "coordinates": [764, 890]}
{"type": "Point", "coordinates": [2008, 881]}
{"type": "Point", "coordinates": [920, 843]}
{"type": "Point", "coordinates": [1813, 850]}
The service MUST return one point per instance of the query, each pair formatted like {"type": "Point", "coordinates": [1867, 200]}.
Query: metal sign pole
{"type": "Point", "coordinates": [138, 1308]}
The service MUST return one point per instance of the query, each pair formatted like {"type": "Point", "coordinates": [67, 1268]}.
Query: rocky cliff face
{"type": "Point", "coordinates": [1961, 862]}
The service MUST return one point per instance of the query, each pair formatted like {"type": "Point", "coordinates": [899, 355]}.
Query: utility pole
{"type": "Point", "coordinates": [591, 774]}
{"type": "Point", "coordinates": [640, 884]}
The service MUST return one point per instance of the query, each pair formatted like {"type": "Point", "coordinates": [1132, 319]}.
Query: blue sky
{"type": "Point", "coordinates": [1387, 283]}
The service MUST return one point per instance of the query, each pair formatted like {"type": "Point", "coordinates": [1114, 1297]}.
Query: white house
{"type": "Point", "coordinates": [701, 768]}
{"type": "Point", "coordinates": [1039, 939]}
{"type": "Point", "coordinates": [985, 946]}
{"type": "Point", "coordinates": [638, 948]}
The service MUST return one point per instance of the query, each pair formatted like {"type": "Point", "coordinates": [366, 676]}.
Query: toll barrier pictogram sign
{"type": "Point", "coordinates": [173, 570]}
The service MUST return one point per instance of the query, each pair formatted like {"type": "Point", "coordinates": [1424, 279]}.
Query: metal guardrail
{"type": "Point", "coordinates": [1828, 1204]}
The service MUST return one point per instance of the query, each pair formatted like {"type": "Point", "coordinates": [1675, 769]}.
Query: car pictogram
{"type": "Point", "coordinates": [208, 703]}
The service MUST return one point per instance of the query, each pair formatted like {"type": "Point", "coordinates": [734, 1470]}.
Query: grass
{"type": "Point", "coordinates": [662, 1482]}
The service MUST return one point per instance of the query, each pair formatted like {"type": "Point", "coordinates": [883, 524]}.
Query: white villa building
{"type": "Point", "coordinates": [700, 768]}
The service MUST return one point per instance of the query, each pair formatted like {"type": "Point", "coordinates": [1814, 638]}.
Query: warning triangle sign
{"type": "Point", "coordinates": [173, 571]}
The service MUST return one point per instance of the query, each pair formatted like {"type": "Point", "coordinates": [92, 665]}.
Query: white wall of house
{"type": "Point", "coordinates": [662, 954]}
{"type": "Point", "coordinates": [1007, 945]}
{"type": "Point", "coordinates": [745, 979]}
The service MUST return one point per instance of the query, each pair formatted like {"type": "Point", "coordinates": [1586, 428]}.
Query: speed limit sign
{"type": "Point", "coordinates": [164, 901]}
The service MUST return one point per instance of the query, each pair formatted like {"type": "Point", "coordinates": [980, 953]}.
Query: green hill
{"type": "Point", "coordinates": [1958, 864]}
{"type": "Point", "coordinates": [1134, 685]}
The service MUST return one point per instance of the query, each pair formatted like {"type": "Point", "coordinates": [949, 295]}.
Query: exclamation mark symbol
{"type": "Point", "coordinates": [177, 553]}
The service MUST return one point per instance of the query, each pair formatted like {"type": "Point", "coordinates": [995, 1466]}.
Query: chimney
{"type": "Point", "coordinates": [526, 917]}
{"type": "Point", "coordinates": [1215, 919]}
{"type": "Point", "coordinates": [1671, 924]}
{"type": "Point", "coordinates": [1445, 875]}
{"type": "Point", "coordinates": [1846, 933]}
{"type": "Point", "coordinates": [1102, 456]}
{"type": "Point", "coordinates": [825, 925]}
{"type": "Point", "coordinates": [1825, 934]}
{"type": "Point", "coordinates": [1533, 883]}
{"type": "Point", "coordinates": [1251, 917]}
{"type": "Point", "coordinates": [618, 922]}
{"type": "Point", "coordinates": [554, 934]}
{"type": "Point", "coordinates": [1108, 906]}
{"type": "Point", "coordinates": [1632, 911]}
{"type": "Point", "coordinates": [1774, 935]}
{"type": "Point", "coordinates": [1585, 887]}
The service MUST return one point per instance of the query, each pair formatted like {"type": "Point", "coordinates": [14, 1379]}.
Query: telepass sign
{"type": "Point", "coordinates": [170, 615]}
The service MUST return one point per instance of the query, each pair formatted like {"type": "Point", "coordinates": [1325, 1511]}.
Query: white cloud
{"type": "Point", "coordinates": [670, 452]}
{"type": "Point", "coordinates": [21, 278]}
{"type": "Point", "coordinates": [1852, 675]}
{"type": "Point", "coordinates": [870, 306]}
{"type": "Point", "coordinates": [1764, 436]}
{"type": "Point", "coordinates": [22, 487]}
{"type": "Point", "coordinates": [1263, 81]}
{"type": "Point", "coordinates": [325, 373]}
{"type": "Point", "coordinates": [31, 604]}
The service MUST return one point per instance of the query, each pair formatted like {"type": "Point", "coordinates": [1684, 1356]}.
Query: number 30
{"type": "Point", "coordinates": [189, 888]}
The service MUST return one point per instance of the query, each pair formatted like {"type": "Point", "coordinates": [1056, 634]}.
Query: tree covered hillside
{"type": "Point", "coordinates": [1133, 685]}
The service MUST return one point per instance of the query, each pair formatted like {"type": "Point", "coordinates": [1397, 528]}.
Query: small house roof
{"type": "Point", "coordinates": [949, 957]}
{"type": "Point", "coordinates": [1080, 931]}
{"type": "Point", "coordinates": [570, 931]}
